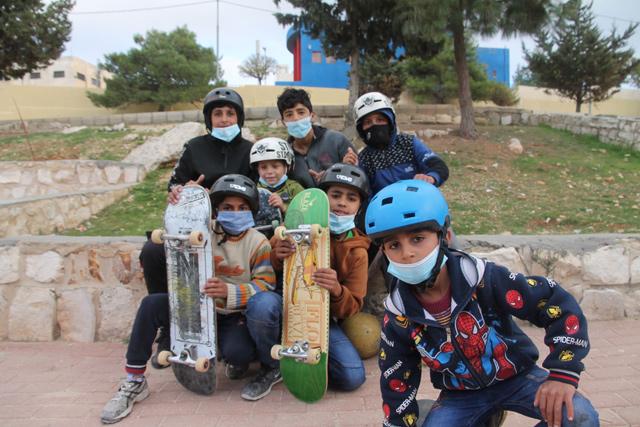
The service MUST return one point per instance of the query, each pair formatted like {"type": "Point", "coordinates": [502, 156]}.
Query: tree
{"type": "Point", "coordinates": [435, 19]}
{"type": "Point", "coordinates": [524, 77]}
{"type": "Point", "coordinates": [258, 66]}
{"type": "Point", "coordinates": [166, 68]}
{"type": "Point", "coordinates": [379, 74]}
{"type": "Point", "coordinates": [634, 76]}
{"type": "Point", "coordinates": [32, 35]}
{"type": "Point", "coordinates": [348, 29]}
{"type": "Point", "coordinates": [576, 61]}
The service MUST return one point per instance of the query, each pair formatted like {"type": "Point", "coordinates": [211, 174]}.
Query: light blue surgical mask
{"type": "Point", "coordinates": [416, 272]}
{"type": "Point", "coordinates": [235, 222]}
{"type": "Point", "coordinates": [300, 128]}
{"type": "Point", "coordinates": [339, 224]}
{"type": "Point", "coordinates": [282, 180]}
{"type": "Point", "coordinates": [226, 134]}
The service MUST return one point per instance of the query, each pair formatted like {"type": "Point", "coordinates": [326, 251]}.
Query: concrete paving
{"type": "Point", "coordinates": [67, 384]}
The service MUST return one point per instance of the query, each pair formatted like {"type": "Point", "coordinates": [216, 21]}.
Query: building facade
{"type": "Point", "coordinates": [312, 67]}
{"type": "Point", "coordinates": [66, 71]}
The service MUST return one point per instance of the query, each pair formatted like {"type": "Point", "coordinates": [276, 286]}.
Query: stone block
{"type": "Point", "coordinates": [26, 178]}
{"type": "Point", "coordinates": [63, 176]}
{"type": "Point", "coordinates": [45, 268]}
{"type": "Point", "coordinates": [76, 315]}
{"type": "Point", "coordinates": [131, 174]}
{"type": "Point", "coordinates": [159, 117]}
{"type": "Point", "coordinates": [603, 304]}
{"type": "Point", "coordinates": [608, 265]}
{"type": "Point", "coordinates": [506, 120]}
{"type": "Point", "coordinates": [100, 120]}
{"type": "Point", "coordinates": [190, 116]}
{"type": "Point", "coordinates": [113, 174]}
{"type": "Point", "coordinates": [507, 257]}
{"type": "Point", "coordinates": [11, 176]}
{"type": "Point", "coordinates": [32, 314]}
{"type": "Point", "coordinates": [174, 116]}
{"type": "Point", "coordinates": [4, 311]}
{"type": "Point", "coordinates": [632, 304]}
{"type": "Point", "coordinates": [117, 310]}
{"type": "Point", "coordinates": [423, 119]}
{"type": "Point", "coordinates": [18, 193]}
{"type": "Point", "coordinates": [444, 119]}
{"type": "Point", "coordinates": [9, 264]}
{"type": "Point", "coordinates": [143, 118]}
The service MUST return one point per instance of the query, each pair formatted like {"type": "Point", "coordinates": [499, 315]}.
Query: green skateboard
{"type": "Point", "coordinates": [305, 328]}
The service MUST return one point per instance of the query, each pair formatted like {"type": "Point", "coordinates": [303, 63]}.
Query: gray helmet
{"type": "Point", "coordinates": [221, 96]}
{"type": "Point", "coordinates": [235, 185]}
{"type": "Point", "coordinates": [348, 175]}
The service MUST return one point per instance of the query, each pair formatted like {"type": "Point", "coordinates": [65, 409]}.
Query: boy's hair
{"type": "Point", "coordinates": [290, 97]}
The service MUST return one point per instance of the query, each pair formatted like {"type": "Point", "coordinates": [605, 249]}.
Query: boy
{"type": "Point", "coordinates": [316, 148]}
{"type": "Point", "coordinates": [273, 160]}
{"type": "Point", "coordinates": [389, 155]}
{"type": "Point", "coordinates": [454, 311]}
{"type": "Point", "coordinates": [241, 257]}
{"type": "Point", "coordinates": [346, 280]}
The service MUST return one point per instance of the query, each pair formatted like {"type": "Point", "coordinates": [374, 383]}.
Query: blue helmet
{"type": "Point", "coordinates": [406, 205]}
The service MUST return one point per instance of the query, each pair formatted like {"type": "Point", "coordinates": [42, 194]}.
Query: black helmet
{"type": "Point", "coordinates": [220, 96]}
{"type": "Point", "coordinates": [235, 185]}
{"type": "Point", "coordinates": [349, 175]}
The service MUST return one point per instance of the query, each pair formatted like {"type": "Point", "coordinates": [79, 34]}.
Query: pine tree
{"type": "Point", "coordinates": [575, 60]}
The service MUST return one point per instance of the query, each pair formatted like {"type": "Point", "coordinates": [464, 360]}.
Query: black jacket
{"type": "Point", "coordinates": [213, 158]}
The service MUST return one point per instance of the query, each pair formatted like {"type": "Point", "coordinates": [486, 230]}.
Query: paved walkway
{"type": "Point", "coordinates": [67, 384]}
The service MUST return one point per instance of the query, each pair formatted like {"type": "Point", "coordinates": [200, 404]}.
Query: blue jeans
{"type": "Point", "coordinates": [264, 319]}
{"type": "Point", "coordinates": [472, 408]}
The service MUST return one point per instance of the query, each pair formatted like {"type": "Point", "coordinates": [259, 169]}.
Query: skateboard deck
{"type": "Point", "coordinates": [305, 330]}
{"type": "Point", "coordinates": [187, 244]}
{"type": "Point", "coordinates": [268, 217]}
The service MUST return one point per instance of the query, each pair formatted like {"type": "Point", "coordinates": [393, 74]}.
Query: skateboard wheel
{"type": "Point", "coordinates": [275, 223]}
{"type": "Point", "coordinates": [202, 364]}
{"type": "Point", "coordinates": [196, 238]}
{"type": "Point", "coordinates": [316, 231]}
{"type": "Point", "coordinates": [163, 358]}
{"type": "Point", "coordinates": [280, 232]}
{"type": "Point", "coordinates": [313, 356]}
{"type": "Point", "coordinates": [156, 236]}
{"type": "Point", "coordinates": [275, 352]}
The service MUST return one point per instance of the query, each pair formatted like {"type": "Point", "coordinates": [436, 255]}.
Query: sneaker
{"type": "Point", "coordinates": [164, 343]}
{"type": "Point", "coordinates": [121, 404]}
{"type": "Point", "coordinates": [235, 372]}
{"type": "Point", "coordinates": [261, 385]}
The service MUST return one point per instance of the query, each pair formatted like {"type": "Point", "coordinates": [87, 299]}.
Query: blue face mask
{"type": "Point", "coordinates": [339, 224]}
{"type": "Point", "coordinates": [226, 134]}
{"type": "Point", "coordinates": [282, 180]}
{"type": "Point", "coordinates": [416, 272]}
{"type": "Point", "coordinates": [235, 222]}
{"type": "Point", "coordinates": [300, 128]}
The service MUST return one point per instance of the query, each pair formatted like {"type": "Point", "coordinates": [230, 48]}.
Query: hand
{"type": "Point", "coordinates": [425, 178]}
{"type": "Point", "coordinates": [174, 194]}
{"type": "Point", "coordinates": [351, 158]}
{"type": "Point", "coordinates": [549, 399]}
{"type": "Point", "coordinates": [198, 181]}
{"type": "Point", "coordinates": [284, 248]}
{"type": "Point", "coordinates": [328, 278]}
{"type": "Point", "coordinates": [276, 201]}
{"type": "Point", "coordinates": [215, 288]}
{"type": "Point", "coordinates": [317, 176]}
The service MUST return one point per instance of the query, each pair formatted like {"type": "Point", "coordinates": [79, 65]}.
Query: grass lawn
{"type": "Point", "coordinates": [89, 143]}
{"type": "Point", "coordinates": [561, 184]}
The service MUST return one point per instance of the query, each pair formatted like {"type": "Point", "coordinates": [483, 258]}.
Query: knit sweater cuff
{"type": "Point", "coordinates": [567, 377]}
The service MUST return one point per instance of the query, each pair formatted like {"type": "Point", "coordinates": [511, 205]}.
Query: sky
{"type": "Point", "coordinates": [244, 23]}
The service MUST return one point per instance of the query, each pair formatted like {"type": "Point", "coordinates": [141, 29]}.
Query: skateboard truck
{"type": "Point", "coordinates": [304, 233]}
{"type": "Point", "coordinates": [201, 364]}
{"type": "Point", "coordinates": [195, 238]}
{"type": "Point", "coordinates": [299, 351]}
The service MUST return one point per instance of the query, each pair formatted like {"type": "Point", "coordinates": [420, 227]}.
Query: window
{"type": "Point", "coordinates": [34, 76]}
{"type": "Point", "coordinates": [80, 76]}
{"type": "Point", "coordinates": [316, 56]}
{"type": "Point", "coordinates": [58, 74]}
{"type": "Point", "coordinates": [95, 82]}
{"type": "Point", "coordinates": [331, 60]}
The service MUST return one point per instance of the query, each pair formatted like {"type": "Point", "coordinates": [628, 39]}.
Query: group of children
{"type": "Point", "coordinates": [446, 309]}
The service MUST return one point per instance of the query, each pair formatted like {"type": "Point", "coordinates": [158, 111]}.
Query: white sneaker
{"type": "Point", "coordinates": [121, 404]}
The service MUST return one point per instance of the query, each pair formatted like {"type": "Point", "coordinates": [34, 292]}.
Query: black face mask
{"type": "Point", "coordinates": [378, 136]}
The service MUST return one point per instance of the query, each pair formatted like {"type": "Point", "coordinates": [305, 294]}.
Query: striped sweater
{"type": "Point", "coordinates": [243, 262]}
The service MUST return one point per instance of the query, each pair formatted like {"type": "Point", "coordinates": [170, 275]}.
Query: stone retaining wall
{"type": "Point", "coordinates": [88, 289]}
{"type": "Point", "coordinates": [50, 214]}
{"type": "Point", "coordinates": [27, 179]}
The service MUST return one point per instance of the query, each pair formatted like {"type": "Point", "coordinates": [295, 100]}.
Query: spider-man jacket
{"type": "Point", "coordinates": [481, 345]}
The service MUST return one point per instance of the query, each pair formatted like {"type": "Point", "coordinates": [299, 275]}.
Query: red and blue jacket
{"type": "Point", "coordinates": [481, 345]}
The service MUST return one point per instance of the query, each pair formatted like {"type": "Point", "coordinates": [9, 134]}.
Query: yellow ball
{"type": "Point", "coordinates": [363, 330]}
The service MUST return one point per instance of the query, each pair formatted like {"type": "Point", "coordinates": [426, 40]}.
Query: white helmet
{"type": "Point", "coordinates": [370, 102]}
{"type": "Point", "coordinates": [271, 149]}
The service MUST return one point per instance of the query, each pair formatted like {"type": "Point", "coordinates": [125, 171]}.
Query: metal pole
{"type": "Point", "coordinates": [218, 28]}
